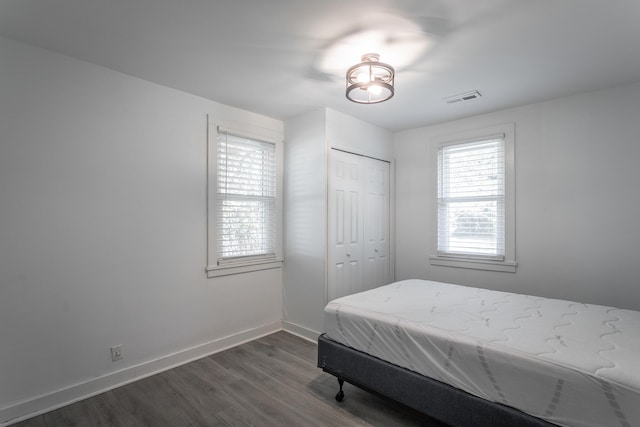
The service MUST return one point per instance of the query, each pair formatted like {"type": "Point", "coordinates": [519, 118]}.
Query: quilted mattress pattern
{"type": "Point", "coordinates": [569, 363]}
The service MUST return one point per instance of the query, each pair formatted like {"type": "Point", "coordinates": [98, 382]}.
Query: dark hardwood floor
{"type": "Point", "coordinates": [272, 381]}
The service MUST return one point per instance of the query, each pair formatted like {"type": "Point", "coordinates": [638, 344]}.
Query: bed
{"type": "Point", "coordinates": [476, 357]}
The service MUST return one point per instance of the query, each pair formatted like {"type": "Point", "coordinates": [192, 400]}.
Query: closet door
{"type": "Point", "coordinates": [358, 224]}
{"type": "Point", "coordinates": [345, 224]}
{"type": "Point", "coordinates": [376, 224]}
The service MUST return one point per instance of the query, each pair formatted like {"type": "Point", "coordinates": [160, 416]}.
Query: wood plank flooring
{"type": "Point", "coordinates": [272, 381]}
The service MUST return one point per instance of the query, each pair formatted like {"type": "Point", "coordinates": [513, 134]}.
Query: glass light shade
{"type": "Point", "coordinates": [370, 81]}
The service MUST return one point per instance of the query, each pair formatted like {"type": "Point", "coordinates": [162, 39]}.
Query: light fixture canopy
{"type": "Point", "coordinates": [370, 81]}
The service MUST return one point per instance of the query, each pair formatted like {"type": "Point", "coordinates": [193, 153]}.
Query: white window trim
{"type": "Point", "coordinates": [509, 263]}
{"type": "Point", "coordinates": [249, 264]}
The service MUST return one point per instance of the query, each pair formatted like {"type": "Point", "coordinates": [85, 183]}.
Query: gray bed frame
{"type": "Point", "coordinates": [431, 397]}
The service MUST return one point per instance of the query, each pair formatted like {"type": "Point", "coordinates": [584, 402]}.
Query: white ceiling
{"type": "Point", "coordinates": [271, 56]}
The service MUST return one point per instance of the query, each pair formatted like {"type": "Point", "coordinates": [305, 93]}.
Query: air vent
{"type": "Point", "coordinates": [467, 96]}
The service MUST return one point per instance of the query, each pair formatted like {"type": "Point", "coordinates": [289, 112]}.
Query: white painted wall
{"type": "Point", "coordinates": [308, 139]}
{"type": "Point", "coordinates": [357, 136]}
{"type": "Point", "coordinates": [103, 232]}
{"type": "Point", "coordinates": [577, 199]}
{"type": "Point", "coordinates": [305, 222]}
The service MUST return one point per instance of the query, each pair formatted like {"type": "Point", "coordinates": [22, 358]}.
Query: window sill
{"type": "Point", "coordinates": [475, 264]}
{"type": "Point", "coordinates": [217, 271]}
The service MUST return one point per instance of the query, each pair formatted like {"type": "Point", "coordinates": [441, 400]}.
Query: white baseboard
{"type": "Point", "coordinates": [32, 407]}
{"type": "Point", "coordinates": [300, 331]}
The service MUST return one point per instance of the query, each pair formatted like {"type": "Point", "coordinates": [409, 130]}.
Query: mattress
{"type": "Point", "coordinates": [568, 363]}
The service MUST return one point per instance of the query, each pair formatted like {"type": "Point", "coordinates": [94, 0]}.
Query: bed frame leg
{"type": "Point", "coordinates": [340, 394]}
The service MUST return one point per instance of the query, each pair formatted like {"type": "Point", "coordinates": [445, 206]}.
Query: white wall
{"type": "Point", "coordinates": [577, 199]}
{"type": "Point", "coordinates": [357, 136]}
{"type": "Point", "coordinates": [305, 222]}
{"type": "Point", "coordinates": [308, 139]}
{"type": "Point", "coordinates": [103, 232]}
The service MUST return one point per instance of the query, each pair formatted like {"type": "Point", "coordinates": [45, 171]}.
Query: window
{"type": "Point", "coordinates": [471, 199]}
{"type": "Point", "coordinates": [245, 209]}
{"type": "Point", "coordinates": [474, 225]}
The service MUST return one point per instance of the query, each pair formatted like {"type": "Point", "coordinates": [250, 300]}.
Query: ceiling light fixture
{"type": "Point", "coordinates": [370, 81]}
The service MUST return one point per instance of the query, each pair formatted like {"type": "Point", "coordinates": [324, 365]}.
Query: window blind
{"type": "Point", "coordinates": [246, 198]}
{"type": "Point", "coordinates": [471, 199]}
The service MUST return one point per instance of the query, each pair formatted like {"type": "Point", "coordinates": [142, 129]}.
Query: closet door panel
{"type": "Point", "coordinates": [345, 219]}
{"type": "Point", "coordinates": [376, 223]}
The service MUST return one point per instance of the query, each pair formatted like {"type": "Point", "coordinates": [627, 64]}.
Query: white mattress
{"type": "Point", "coordinates": [569, 363]}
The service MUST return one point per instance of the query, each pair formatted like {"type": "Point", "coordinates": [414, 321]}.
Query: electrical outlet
{"type": "Point", "coordinates": [116, 353]}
